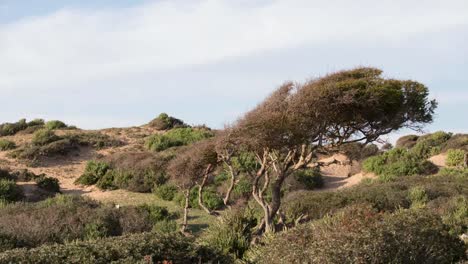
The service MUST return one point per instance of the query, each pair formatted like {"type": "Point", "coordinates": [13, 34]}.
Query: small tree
{"type": "Point", "coordinates": [297, 122]}
{"type": "Point", "coordinates": [192, 167]}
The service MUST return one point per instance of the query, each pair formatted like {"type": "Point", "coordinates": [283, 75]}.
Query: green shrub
{"type": "Point", "coordinates": [49, 184]}
{"type": "Point", "coordinates": [93, 139]}
{"type": "Point", "coordinates": [310, 178]}
{"type": "Point", "coordinates": [455, 215]}
{"type": "Point", "coordinates": [9, 191]}
{"type": "Point", "coordinates": [418, 197]}
{"type": "Point", "coordinates": [106, 182]}
{"type": "Point", "coordinates": [211, 199]}
{"type": "Point", "coordinates": [165, 226]}
{"type": "Point", "coordinates": [407, 141]}
{"type": "Point", "coordinates": [43, 137]}
{"type": "Point", "coordinates": [55, 124]}
{"type": "Point", "coordinates": [398, 162]}
{"type": "Point", "coordinates": [6, 144]}
{"type": "Point", "coordinates": [177, 137]}
{"type": "Point", "coordinates": [243, 189]}
{"type": "Point", "coordinates": [361, 235]}
{"type": "Point", "coordinates": [232, 234]}
{"type": "Point", "coordinates": [166, 192]}
{"type": "Point", "coordinates": [430, 144]}
{"type": "Point", "coordinates": [455, 157]}
{"type": "Point", "coordinates": [94, 171]}
{"type": "Point", "coordinates": [165, 122]}
{"type": "Point", "coordinates": [36, 123]}
{"type": "Point", "coordinates": [156, 213]}
{"type": "Point", "coordinates": [457, 141]}
{"type": "Point", "coordinates": [138, 248]}
{"type": "Point", "coordinates": [9, 129]}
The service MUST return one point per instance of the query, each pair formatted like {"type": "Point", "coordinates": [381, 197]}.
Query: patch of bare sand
{"type": "Point", "coordinates": [439, 160]}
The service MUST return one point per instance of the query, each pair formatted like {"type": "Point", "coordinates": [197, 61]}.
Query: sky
{"type": "Point", "coordinates": [116, 63]}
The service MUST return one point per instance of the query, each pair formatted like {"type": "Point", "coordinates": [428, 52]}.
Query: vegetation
{"type": "Point", "coordinates": [55, 124]}
{"type": "Point", "coordinates": [9, 191]}
{"type": "Point", "coordinates": [6, 144]}
{"type": "Point", "coordinates": [456, 157]}
{"type": "Point", "coordinates": [166, 122]}
{"type": "Point", "coordinates": [361, 235]}
{"type": "Point", "coordinates": [177, 137]}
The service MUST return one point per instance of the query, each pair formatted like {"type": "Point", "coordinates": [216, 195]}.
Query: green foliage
{"type": "Point", "coordinates": [457, 141]}
{"type": "Point", "coordinates": [407, 141]}
{"type": "Point", "coordinates": [231, 234]}
{"type": "Point", "coordinates": [55, 124]}
{"type": "Point", "coordinates": [43, 137]}
{"type": "Point", "coordinates": [9, 191]}
{"type": "Point", "coordinates": [455, 157]}
{"type": "Point", "coordinates": [93, 139]}
{"type": "Point", "coordinates": [310, 178]}
{"type": "Point", "coordinates": [243, 189]}
{"type": "Point", "coordinates": [456, 215]}
{"type": "Point", "coordinates": [398, 162]}
{"type": "Point", "coordinates": [9, 129]}
{"type": "Point", "coordinates": [137, 248]}
{"type": "Point", "coordinates": [166, 192]}
{"type": "Point", "coordinates": [177, 137]}
{"type": "Point", "coordinates": [48, 183]}
{"type": "Point", "coordinates": [430, 144]}
{"type": "Point", "coordinates": [106, 182]}
{"type": "Point", "coordinates": [6, 144]}
{"type": "Point", "coordinates": [36, 122]}
{"type": "Point", "coordinates": [361, 235]}
{"type": "Point", "coordinates": [156, 213]}
{"type": "Point", "coordinates": [211, 199]}
{"type": "Point", "coordinates": [94, 171]}
{"type": "Point", "coordinates": [418, 197]}
{"type": "Point", "coordinates": [166, 122]}
{"type": "Point", "coordinates": [165, 226]}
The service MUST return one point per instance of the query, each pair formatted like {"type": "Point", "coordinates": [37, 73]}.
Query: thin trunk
{"type": "Point", "coordinates": [200, 195]}
{"type": "Point", "coordinates": [186, 210]}
{"type": "Point", "coordinates": [231, 186]}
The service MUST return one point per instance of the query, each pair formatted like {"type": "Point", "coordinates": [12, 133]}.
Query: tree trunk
{"type": "Point", "coordinates": [186, 209]}
{"type": "Point", "coordinates": [231, 186]}
{"type": "Point", "coordinates": [200, 196]}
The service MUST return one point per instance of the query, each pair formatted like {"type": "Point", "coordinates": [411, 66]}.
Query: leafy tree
{"type": "Point", "coordinates": [295, 123]}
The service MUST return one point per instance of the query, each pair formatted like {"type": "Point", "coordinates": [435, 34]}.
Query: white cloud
{"type": "Point", "coordinates": [75, 46]}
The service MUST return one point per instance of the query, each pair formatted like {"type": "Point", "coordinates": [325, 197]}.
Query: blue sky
{"type": "Point", "coordinates": [114, 63]}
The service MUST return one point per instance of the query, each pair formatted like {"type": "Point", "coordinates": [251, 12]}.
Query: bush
{"type": "Point", "coordinates": [430, 144]}
{"type": "Point", "coordinates": [407, 141]}
{"type": "Point", "coordinates": [398, 162]}
{"type": "Point", "coordinates": [106, 182]}
{"type": "Point", "coordinates": [9, 191]}
{"type": "Point", "coordinates": [455, 215]}
{"type": "Point", "coordinates": [138, 248]}
{"type": "Point", "coordinates": [360, 235]}
{"type": "Point", "coordinates": [94, 171]}
{"type": "Point", "coordinates": [55, 124]}
{"type": "Point", "coordinates": [166, 192]}
{"type": "Point", "coordinates": [67, 218]}
{"type": "Point", "coordinates": [6, 145]}
{"type": "Point", "coordinates": [156, 213]}
{"type": "Point", "coordinates": [93, 139]}
{"type": "Point", "coordinates": [9, 129]}
{"type": "Point", "coordinates": [211, 199]}
{"type": "Point", "coordinates": [177, 137]}
{"type": "Point", "coordinates": [43, 137]}
{"type": "Point", "coordinates": [36, 123]}
{"type": "Point", "coordinates": [231, 234]}
{"type": "Point", "coordinates": [49, 184]}
{"type": "Point", "coordinates": [310, 178]}
{"type": "Point", "coordinates": [165, 122]}
{"type": "Point", "coordinates": [456, 157]}
{"type": "Point", "coordinates": [418, 197]}
{"type": "Point", "coordinates": [457, 141]}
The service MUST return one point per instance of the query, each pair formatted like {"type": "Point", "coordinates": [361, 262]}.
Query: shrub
{"type": "Point", "coordinates": [94, 171]}
{"type": "Point", "coordinates": [418, 197]}
{"type": "Point", "coordinates": [177, 137]}
{"type": "Point", "coordinates": [360, 235]}
{"type": "Point", "coordinates": [455, 215]}
{"type": "Point", "coordinates": [430, 144]}
{"type": "Point", "coordinates": [407, 141]}
{"type": "Point", "coordinates": [138, 248]}
{"type": "Point", "coordinates": [67, 218]}
{"type": "Point", "coordinates": [43, 137]}
{"type": "Point", "coordinates": [310, 178]}
{"type": "Point", "coordinates": [165, 122]}
{"type": "Point", "coordinates": [9, 129]}
{"type": "Point", "coordinates": [49, 184]}
{"type": "Point", "coordinates": [211, 199]}
{"type": "Point", "coordinates": [166, 192]}
{"type": "Point", "coordinates": [165, 226]}
{"type": "Point", "coordinates": [457, 141]}
{"type": "Point", "coordinates": [55, 124]}
{"type": "Point", "coordinates": [6, 144]}
{"type": "Point", "coordinates": [36, 122]}
{"type": "Point", "coordinates": [9, 191]}
{"type": "Point", "coordinates": [398, 162]}
{"type": "Point", "coordinates": [456, 157]}
{"type": "Point", "coordinates": [156, 213]}
{"type": "Point", "coordinates": [232, 234]}
{"type": "Point", "coordinates": [106, 182]}
{"type": "Point", "coordinates": [93, 139]}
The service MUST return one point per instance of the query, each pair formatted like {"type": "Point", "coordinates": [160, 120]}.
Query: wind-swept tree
{"type": "Point", "coordinates": [193, 166]}
{"type": "Point", "coordinates": [299, 121]}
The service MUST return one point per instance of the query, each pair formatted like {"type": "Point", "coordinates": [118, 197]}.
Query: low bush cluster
{"type": "Point", "coordinates": [166, 122]}
{"type": "Point", "coordinates": [139, 173]}
{"type": "Point", "coordinates": [361, 235]}
{"type": "Point", "coordinates": [309, 178]}
{"type": "Point", "coordinates": [9, 191]}
{"type": "Point", "coordinates": [55, 124]}
{"type": "Point", "coordinates": [177, 137]}
{"type": "Point", "coordinates": [167, 192]}
{"type": "Point", "coordinates": [136, 248]}
{"type": "Point", "coordinates": [456, 157]}
{"type": "Point", "coordinates": [67, 218]}
{"type": "Point", "coordinates": [9, 129]}
{"type": "Point", "coordinates": [6, 144]}
{"type": "Point", "coordinates": [211, 199]}
{"type": "Point", "coordinates": [398, 162]}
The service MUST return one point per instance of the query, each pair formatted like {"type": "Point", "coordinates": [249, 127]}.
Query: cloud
{"type": "Point", "coordinates": [75, 46]}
